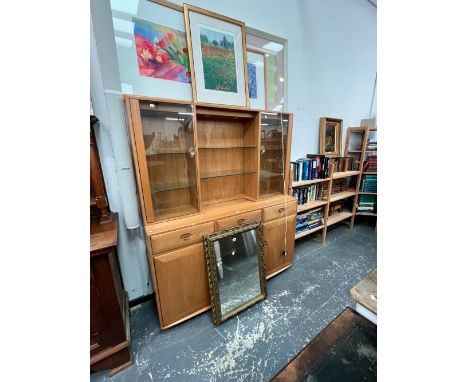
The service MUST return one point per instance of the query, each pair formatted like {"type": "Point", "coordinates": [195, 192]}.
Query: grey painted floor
{"type": "Point", "coordinates": [257, 343]}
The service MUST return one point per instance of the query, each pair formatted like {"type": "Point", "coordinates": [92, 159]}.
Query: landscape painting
{"type": "Point", "coordinates": [161, 52]}
{"type": "Point", "coordinates": [218, 59]}
{"type": "Point", "coordinates": [252, 76]}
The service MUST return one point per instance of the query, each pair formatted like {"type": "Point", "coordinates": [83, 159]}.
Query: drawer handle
{"type": "Point", "coordinates": [240, 221]}
{"type": "Point", "coordinates": [281, 210]}
{"type": "Point", "coordinates": [185, 236]}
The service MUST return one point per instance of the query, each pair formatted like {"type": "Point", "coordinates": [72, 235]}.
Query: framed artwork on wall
{"type": "Point", "coordinates": [217, 54]}
{"type": "Point", "coordinates": [256, 77]}
{"type": "Point", "coordinates": [151, 48]}
{"type": "Point", "coordinates": [330, 136]}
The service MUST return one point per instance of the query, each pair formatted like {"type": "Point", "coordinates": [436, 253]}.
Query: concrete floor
{"type": "Point", "coordinates": [259, 342]}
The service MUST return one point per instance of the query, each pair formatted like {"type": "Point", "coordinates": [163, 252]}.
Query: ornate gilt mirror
{"type": "Point", "coordinates": [236, 271]}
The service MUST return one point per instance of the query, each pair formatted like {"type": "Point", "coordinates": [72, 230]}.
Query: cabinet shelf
{"type": "Point", "coordinates": [335, 218]}
{"type": "Point", "coordinates": [217, 174]}
{"type": "Point", "coordinates": [227, 147]}
{"type": "Point", "coordinates": [367, 193]}
{"type": "Point", "coordinates": [170, 186]}
{"type": "Point", "coordinates": [167, 152]}
{"type": "Point", "coordinates": [310, 205]}
{"type": "Point", "coordinates": [308, 232]}
{"type": "Point", "coordinates": [341, 195]}
{"type": "Point", "coordinates": [366, 214]}
{"type": "Point", "coordinates": [269, 174]}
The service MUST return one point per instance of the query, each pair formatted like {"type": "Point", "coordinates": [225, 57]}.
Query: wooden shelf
{"type": "Point", "coordinates": [366, 214]}
{"type": "Point", "coordinates": [217, 174]}
{"type": "Point", "coordinates": [344, 174]}
{"type": "Point", "coordinates": [367, 193]}
{"type": "Point", "coordinates": [228, 147]}
{"type": "Point", "coordinates": [308, 232]}
{"type": "Point", "coordinates": [341, 195]}
{"type": "Point", "coordinates": [338, 217]}
{"type": "Point", "coordinates": [161, 187]}
{"type": "Point", "coordinates": [269, 174]}
{"type": "Point", "coordinates": [310, 205]}
{"type": "Point", "coordinates": [307, 182]}
{"type": "Point", "coordinates": [169, 213]}
{"type": "Point", "coordinates": [167, 152]}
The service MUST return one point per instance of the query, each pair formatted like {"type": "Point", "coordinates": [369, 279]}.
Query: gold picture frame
{"type": "Point", "coordinates": [213, 270]}
{"type": "Point", "coordinates": [214, 96]}
{"type": "Point", "coordinates": [331, 130]}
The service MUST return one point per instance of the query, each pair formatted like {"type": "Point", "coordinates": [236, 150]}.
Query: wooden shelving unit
{"type": "Point", "coordinates": [362, 134]}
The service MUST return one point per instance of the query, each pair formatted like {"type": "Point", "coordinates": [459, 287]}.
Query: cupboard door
{"type": "Point", "coordinates": [275, 246]}
{"type": "Point", "coordinates": [274, 154]}
{"type": "Point", "coordinates": [182, 283]}
{"type": "Point", "coordinates": [166, 154]}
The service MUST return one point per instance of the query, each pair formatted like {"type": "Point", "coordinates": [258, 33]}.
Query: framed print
{"type": "Point", "coordinates": [330, 136]}
{"type": "Point", "coordinates": [256, 76]}
{"type": "Point", "coordinates": [217, 57]}
{"type": "Point", "coordinates": [152, 50]}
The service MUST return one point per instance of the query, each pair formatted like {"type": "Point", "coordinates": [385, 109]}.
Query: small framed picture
{"type": "Point", "coordinates": [330, 136]}
{"type": "Point", "coordinates": [217, 57]}
{"type": "Point", "coordinates": [256, 76]}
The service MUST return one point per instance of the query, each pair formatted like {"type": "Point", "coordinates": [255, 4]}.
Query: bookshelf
{"type": "Point", "coordinates": [367, 196]}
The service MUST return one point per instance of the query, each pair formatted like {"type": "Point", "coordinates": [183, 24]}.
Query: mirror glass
{"type": "Point", "coordinates": [235, 269]}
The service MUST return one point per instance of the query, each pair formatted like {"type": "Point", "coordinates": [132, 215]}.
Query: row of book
{"type": "Point", "coordinates": [308, 220]}
{"type": "Point", "coordinates": [308, 193]}
{"type": "Point", "coordinates": [369, 183]}
{"type": "Point", "coordinates": [313, 167]}
{"type": "Point", "coordinates": [372, 144]}
{"type": "Point", "coordinates": [371, 164]}
{"type": "Point", "coordinates": [367, 203]}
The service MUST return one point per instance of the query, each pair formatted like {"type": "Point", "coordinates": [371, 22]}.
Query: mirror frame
{"type": "Point", "coordinates": [209, 239]}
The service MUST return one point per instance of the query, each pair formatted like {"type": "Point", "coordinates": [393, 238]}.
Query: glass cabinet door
{"type": "Point", "coordinates": [273, 154]}
{"type": "Point", "coordinates": [169, 149]}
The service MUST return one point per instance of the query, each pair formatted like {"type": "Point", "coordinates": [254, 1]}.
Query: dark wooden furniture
{"type": "Point", "coordinates": [109, 321]}
{"type": "Point", "coordinates": [346, 350]}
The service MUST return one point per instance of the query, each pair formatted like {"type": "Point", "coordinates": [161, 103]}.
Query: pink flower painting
{"type": "Point", "coordinates": [161, 52]}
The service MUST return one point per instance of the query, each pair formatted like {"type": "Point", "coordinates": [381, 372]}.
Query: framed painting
{"type": "Point", "coordinates": [217, 54]}
{"type": "Point", "coordinates": [151, 48]}
{"type": "Point", "coordinates": [256, 77]}
{"type": "Point", "coordinates": [330, 136]}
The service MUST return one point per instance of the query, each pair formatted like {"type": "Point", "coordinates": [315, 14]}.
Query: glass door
{"type": "Point", "coordinates": [169, 157]}
{"type": "Point", "coordinates": [274, 168]}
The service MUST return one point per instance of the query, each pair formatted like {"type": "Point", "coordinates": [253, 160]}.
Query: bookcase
{"type": "Point", "coordinates": [201, 168]}
{"type": "Point", "coordinates": [366, 200]}
{"type": "Point", "coordinates": [336, 202]}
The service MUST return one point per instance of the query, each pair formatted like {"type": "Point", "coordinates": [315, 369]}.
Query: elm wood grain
{"type": "Point", "coordinates": [279, 211]}
{"type": "Point", "coordinates": [365, 292]}
{"type": "Point", "coordinates": [215, 212]}
{"type": "Point", "coordinates": [238, 219]}
{"type": "Point", "coordinates": [140, 161]}
{"type": "Point", "coordinates": [182, 283]}
{"type": "Point", "coordinates": [319, 347]}
{"type": "Point", "coordinates": [279, 239]}
{"type": "Point", "coordinates": [180, 238]}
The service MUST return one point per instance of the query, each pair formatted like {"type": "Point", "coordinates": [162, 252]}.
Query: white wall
{"type": "Point", "coordinates": [332, 57]}
{"type": "Point", "coordinates": [331, 72]}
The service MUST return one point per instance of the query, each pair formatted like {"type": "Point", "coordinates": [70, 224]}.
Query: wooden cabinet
{"type": "Point", "coordinates": [279, 251]}
{"type": "Point", "coordinates": [109, 316]}
{"type": "Point", "coordinates": [182, 284]}
{"type": "Point", "coordinates": [200, 168]}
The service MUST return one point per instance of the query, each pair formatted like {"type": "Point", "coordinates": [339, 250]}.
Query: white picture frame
{"type": "Point", "coordinates": [132, 82]}
{"type": "Point", "coordinates": [257, 84]}
{"type": "Point", "coordinates": [218, 69]}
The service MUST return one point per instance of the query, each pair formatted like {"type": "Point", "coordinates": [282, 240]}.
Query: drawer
{"type": "Point", "coordinates": [180, 238]}
{"type": "Point", "coordinates": [279, 211]}
{"type": "Point", "coordinates": [238, 219]}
